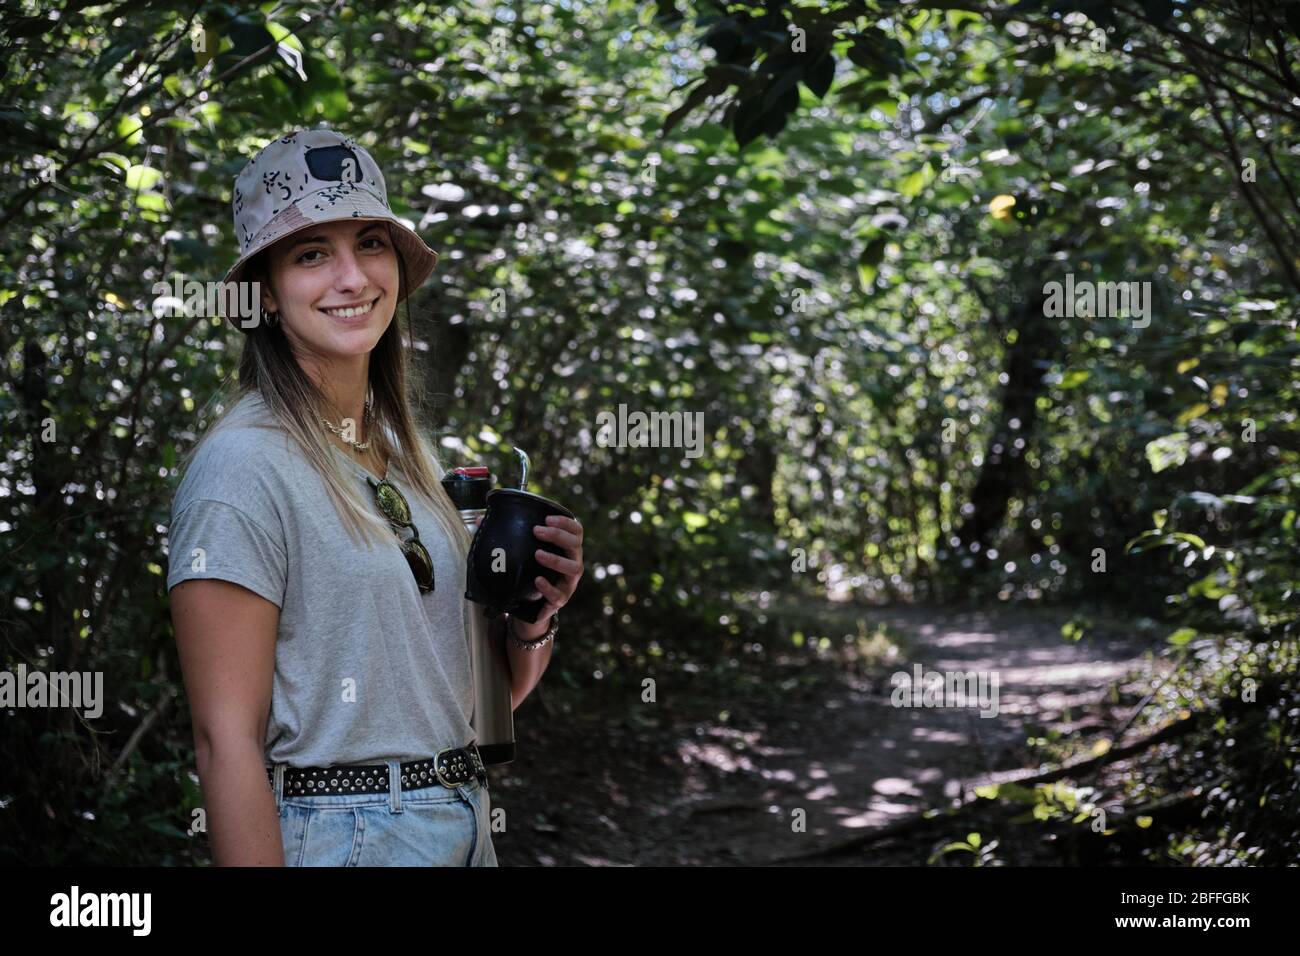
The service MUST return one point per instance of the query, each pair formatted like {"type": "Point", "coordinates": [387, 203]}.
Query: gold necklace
{"type": "Point", "coordinates": [359, 446]}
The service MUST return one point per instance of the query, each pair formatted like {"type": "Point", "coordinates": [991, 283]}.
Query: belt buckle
{"type": "Point", "coordinates": [437, 769]}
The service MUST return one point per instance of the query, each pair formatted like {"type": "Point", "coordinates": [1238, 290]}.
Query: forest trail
{"type": "Point", "coordinates": [707, 791]}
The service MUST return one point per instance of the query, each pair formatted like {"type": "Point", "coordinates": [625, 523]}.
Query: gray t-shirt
{"type": "Point", "coordinates": [367, 668]}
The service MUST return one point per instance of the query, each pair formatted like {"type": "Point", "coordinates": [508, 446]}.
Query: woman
{"type": "Point", "coordinates": [317, 566]}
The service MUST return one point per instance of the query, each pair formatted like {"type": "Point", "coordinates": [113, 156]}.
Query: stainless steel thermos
{"type": "Point", "coordinates": [500, 578]}
{"type": "Point", "coordinates": [493, 720]}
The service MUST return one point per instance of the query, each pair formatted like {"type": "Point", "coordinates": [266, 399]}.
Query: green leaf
{"type": "Point", "coordinates": [694, 521]}
{"type": "Point", "coordinates": [128, 128]}
{"type": "Point", "coordinates": [1168, 452]}
{"type": "Point", "coordinates": [912, 184]}
{"type": "Point", "coordinates": [1195, 411]}
{"type": "Point", "coordinates": [249, 34]}
{"type": "Point", "coordinates": [820, 74]}
{"type": "Point", "coordinates": [1196, 541]}
{"type": "Point", "coordinates": [151, 201]}
{"type": "Point", "coordinates": [142, 177]}
{"type": "Point", "coordinates": [869, 261]}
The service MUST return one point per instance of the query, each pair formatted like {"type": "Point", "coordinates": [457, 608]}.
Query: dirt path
{"type": "Point", "coordinates": [722, 783]}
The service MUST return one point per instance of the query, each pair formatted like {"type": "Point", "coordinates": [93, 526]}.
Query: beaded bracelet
{"type": "Point", "coordinates": [536, 642]}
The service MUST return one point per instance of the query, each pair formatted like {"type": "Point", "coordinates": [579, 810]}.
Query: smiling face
{"type": "Point", "coordinates": [335, 286]}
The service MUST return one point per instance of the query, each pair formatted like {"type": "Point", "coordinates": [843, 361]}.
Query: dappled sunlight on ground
{"type": "Point", "coordinates": [757, 778]}
{"type": "Point", "coordinates": [860, 762]}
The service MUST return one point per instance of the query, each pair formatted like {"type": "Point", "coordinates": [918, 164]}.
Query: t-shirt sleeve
{"type": "Point", "coordinates": [215, 539]}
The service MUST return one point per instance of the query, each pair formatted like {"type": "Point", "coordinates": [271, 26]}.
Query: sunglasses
{"type": "Point", "coordinates": [398, 512]}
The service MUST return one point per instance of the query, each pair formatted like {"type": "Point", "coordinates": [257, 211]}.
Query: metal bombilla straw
{"type": "Point", "coordinates": [523, 467]}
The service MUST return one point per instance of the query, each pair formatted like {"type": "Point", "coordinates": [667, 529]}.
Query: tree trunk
{"type": "Point", "coordinates": [1004, 472]}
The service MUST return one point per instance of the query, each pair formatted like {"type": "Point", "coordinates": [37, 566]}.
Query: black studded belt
{"type": "Point", "coordinates": [450, 768]}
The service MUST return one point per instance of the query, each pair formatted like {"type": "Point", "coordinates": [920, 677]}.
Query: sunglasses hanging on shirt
{"type": "Point", "coordinates": [398, 512]}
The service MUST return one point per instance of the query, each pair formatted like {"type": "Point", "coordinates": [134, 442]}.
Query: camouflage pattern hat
{"type": "Point", "coordinates": [313, 176]}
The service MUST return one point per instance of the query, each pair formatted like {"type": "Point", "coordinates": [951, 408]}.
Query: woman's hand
{"type": "Point", "coordinates": [565, 533]}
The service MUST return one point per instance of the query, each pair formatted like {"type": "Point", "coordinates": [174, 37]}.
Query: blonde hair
{"type": "Point", "coordinates": [268, 367]}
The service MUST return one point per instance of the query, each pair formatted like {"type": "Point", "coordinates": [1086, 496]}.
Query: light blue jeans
{"type": "Point", "coordinates": [432, 826]}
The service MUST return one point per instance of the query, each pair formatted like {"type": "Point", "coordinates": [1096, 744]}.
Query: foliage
{"type": "Point", "coordinates": [836, 250]}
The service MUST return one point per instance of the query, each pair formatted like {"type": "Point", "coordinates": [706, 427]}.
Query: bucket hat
{"type": "Point", "coordinates": [314, 176]}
